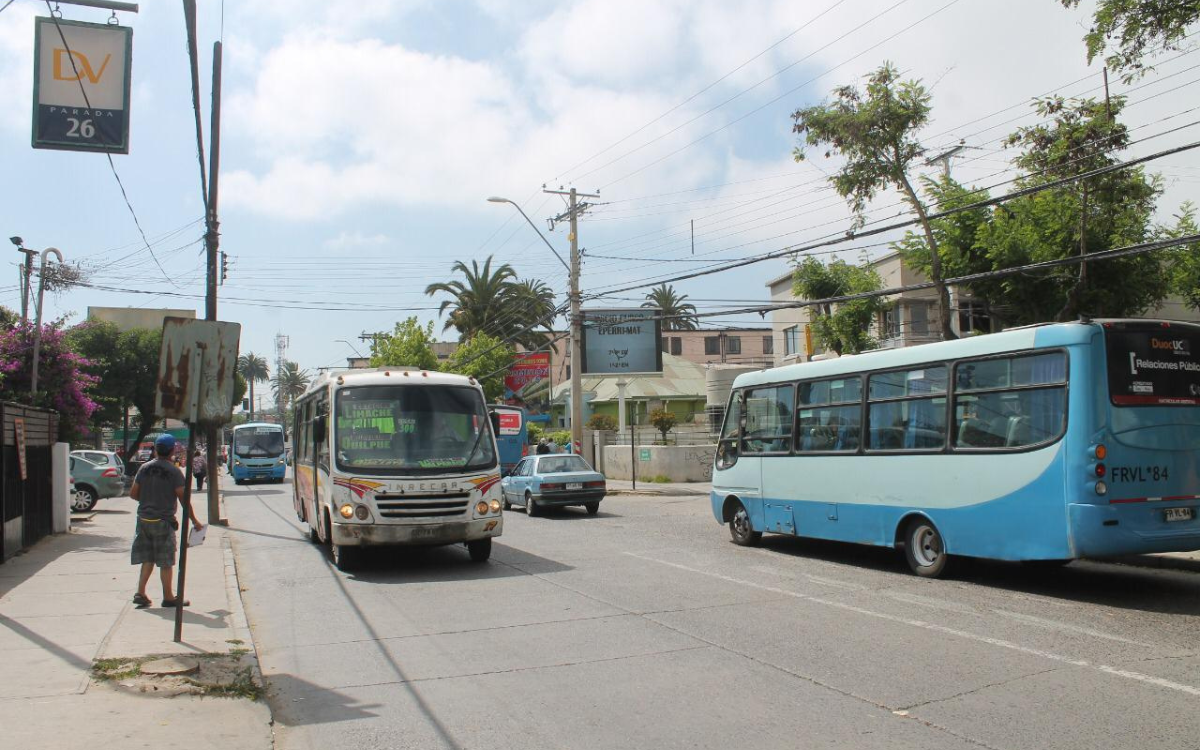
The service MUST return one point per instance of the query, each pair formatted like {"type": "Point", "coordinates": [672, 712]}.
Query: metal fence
{"type": "Point", "coordinates": [26, 510]}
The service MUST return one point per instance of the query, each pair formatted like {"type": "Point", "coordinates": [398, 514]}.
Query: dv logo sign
{"type": "Point", "coordinates": [81, 85]}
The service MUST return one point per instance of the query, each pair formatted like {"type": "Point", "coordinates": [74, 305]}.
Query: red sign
{"type": "Point", "coordinates": [19, 427]}
{"type": "Point", "coordinates": [510, 422]}
{"type": "Point", "coordinates": [528, 379]}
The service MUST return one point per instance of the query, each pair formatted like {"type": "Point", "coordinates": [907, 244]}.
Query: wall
{"type": "Point", "coordinates": [127, 318]}
{"type": "Point", "coordinates": [682, 463]}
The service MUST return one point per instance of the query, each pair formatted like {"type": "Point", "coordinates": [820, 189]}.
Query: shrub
{"type": "Point", "coordinates": [602, 422]}
{"type": "Point", "coordinates": [661, 479]}
{"type": "Point", "coordinates": [663, 421]}
{"type": "Point", "coordinates": [535, 431]}
{"type": "Point", "coordinates": [562, 437]}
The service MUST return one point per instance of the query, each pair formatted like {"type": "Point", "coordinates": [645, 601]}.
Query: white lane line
{"type": "Point", "coordinates": [1067, 627]}
{"type": "Point", "coordinates": [1000, 643]}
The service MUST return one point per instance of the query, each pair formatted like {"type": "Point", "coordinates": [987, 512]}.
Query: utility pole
{"type": "Point", "coordinates": [26, 275]}
{"type": "Point", "coordinates": [580, 440]}
{"type": "Point", "coordinates": [212, 242]}
{"type": "Point", "coordinates": [281, 345]}
{"type": "Point", "coordinates": [945, 158]}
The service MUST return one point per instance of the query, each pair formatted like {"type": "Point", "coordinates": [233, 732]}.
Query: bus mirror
{"type": "Point", "coordinates": [319, 430]}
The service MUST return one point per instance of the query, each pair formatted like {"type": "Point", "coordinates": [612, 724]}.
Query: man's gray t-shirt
{"type": "Point", "coordinates": [157, 482]}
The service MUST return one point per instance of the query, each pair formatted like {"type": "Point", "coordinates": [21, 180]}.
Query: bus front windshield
{"type": "Point", "coordinates": [412, 429]}
{"type": "Point", "coordinates": [258, 442]}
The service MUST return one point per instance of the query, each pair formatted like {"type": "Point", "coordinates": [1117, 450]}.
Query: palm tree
{"type": "Point", "coordinates": [677, 314]}
{"type": "Point", "coordinates": [531, 301]}
{"type": "Point", "coordinates": [253, 368]}
{"type": "Point", "coordinates": [290, 383]}
{"type": "Point", "coordinates": [479, 303]}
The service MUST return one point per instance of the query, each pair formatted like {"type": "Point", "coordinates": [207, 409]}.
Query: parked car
{"type": "Point", "coordinates": [106, 458]}
{"type": "Point", "coordinates": [551, 481]}
{"type": "Point", "coordinates": [92, 482]}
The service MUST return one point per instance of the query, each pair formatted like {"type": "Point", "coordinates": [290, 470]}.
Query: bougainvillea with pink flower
{"type": "Point", "coordinates": [63, 381]}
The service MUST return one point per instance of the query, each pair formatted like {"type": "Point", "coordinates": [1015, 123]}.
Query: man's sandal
{"type": "Point", "coordinates": [141, 601]}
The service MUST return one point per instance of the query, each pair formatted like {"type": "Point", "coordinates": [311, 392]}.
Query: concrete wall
{"type": "Point", "coordinates": [682, 463]}
{"type": "Point", "coordinates": [127, 318]}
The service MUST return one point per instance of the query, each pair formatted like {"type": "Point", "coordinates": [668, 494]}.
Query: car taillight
{"type": "Point", "coordinates": [551, 486]}
{"type": "Point", "coordinates": [595, 485]}
{"type": "Point", "coordinates": [110, 472]}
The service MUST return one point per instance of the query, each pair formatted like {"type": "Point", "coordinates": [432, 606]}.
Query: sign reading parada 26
{"type": "Point", "coordinates": [81, 85]}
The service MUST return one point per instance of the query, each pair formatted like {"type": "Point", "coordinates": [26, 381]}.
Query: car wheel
{"type": "Point", "coordinates": [925, 549]}
{"type": "Point", "coordinates": [85, 499]}
{"type": "Point", "coordinates": [531, 507]}
{"type": "Point", "coordinates": [592, 508]}
{"type": "Point", "coordinates": [740, 530]}
{"type": "Point", "coordinates": [480, 549]}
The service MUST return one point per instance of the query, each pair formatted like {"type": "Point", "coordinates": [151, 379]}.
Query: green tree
{"type": "Point", "coordinates": [1132, 30]}
{"type": "Point", "coordinates": [290, 383]}
{"type": "Point", "coordinates": [1185, 263]}
{"type": "Point", "coordinates": [409, 345]}
{"type": "Point", "coordinates": [845, 327]}
{"type": "Point", "coordinates": [254, 369]}
{"type": "Point", "coordinates": [126, 366]}
{"type": "Point", "coordinates": [531, 300]}
{"type": "Point", "coordinates": [485, 359]}
{"type": "Point", "coordinates": [678, 314]}
{"type": "Point", "coordinates": [480, 301]}
{"type": "Point", "coordinates": [663, 421]}
{"type": "Point", "coordinates": [875, 132]}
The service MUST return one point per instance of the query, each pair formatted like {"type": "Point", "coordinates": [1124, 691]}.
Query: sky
{"type": "Point", "coordinates": [360, 142]}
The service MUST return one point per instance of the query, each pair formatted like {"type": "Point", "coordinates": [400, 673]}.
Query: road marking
{"type": "Point", "coordinates": [1069, 628]}
{"type": "Point", "coordinates": [934, 627]}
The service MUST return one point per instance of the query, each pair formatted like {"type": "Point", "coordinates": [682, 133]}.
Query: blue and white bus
{"type": "Point", "coordinates": [258, 452]}
{"type": "Point", "coordinates": [1045, 443]}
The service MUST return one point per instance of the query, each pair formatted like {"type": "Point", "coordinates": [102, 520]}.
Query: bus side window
{"type": "Point", "coordinates": [768, 420]}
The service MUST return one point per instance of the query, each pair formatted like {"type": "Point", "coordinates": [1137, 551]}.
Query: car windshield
{"type": "Point", "coordinates": [258, 442]}
{"type": "Point", "coordinates": [413, 429]}
{"type": "Point", "coordinates": [562, 465]}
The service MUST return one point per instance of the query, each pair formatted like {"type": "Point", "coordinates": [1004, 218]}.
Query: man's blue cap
{"type": "Point", "coordinates": [165, 442]}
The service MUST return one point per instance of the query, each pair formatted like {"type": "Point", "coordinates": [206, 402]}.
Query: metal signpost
{"type": "Point", "coordinates": [195, 384]}
{"type": "Point", "coordinates": [81, 79]}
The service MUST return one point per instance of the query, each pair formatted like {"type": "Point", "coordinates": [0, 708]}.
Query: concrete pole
{"type": "Point", "coordinates": [37, 329]}
{"type": "Point", "coordinates": [579, 439]}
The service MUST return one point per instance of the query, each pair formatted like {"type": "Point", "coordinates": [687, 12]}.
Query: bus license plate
{"type": "Point", "coordinates": [574, 485]}
{"type": "Point", "coordinates": [1179, 514]}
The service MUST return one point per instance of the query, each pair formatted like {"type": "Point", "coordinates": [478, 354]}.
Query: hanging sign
{"type": "Point", "coordinates": [81, 75]}
{"type": "Point", "coordinates": [622, 342]}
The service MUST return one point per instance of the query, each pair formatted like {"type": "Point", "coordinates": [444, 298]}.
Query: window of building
{"type": "Point", "coordinates": [664, 344]}
{"type": "Point", "coordinates": [791, 340]}
{"type": "Point", "coordinates": [768, 344]}
{"type": "Point", "coordinates": [676, 345]}
{"type": "Point", "coordinates": [733, 344]}
{"type": "Point", "coordinates": [920, 319]}
{"type": "Point", "coordinates": [712, 345]}
{"type": "Point", "coordinates": [768, 420]}
{"type": "Point", "coordinates": [973, 316]}
{"type": "Point", "coordinates": [907, 409]}
{"type": "Point", "coordinates": [889, 323]}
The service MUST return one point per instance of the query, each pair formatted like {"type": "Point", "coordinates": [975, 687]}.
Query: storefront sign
{"type": "Point", "coordinates": [622, 342]}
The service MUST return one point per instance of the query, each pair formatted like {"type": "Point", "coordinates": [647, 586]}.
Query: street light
{"type": "Point", "coordinates": [495, 199]}
{"type": "Point", "coordinates": [37, 329]}
{"type": "Point", "coordinates": [574, 334]}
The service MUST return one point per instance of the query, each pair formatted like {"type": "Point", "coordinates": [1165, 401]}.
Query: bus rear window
{"type": "Point", "coordinates": [1153, 364]}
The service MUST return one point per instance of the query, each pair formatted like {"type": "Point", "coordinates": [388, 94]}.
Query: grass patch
{"type": "Point", "coordinates": [660, 479]}
{"type": "Point", "coordinates": [243, 685]}
{"type": "Point", "coordinates": [235, 641]}
{"type": "Point", "coordinates": [118, 669]}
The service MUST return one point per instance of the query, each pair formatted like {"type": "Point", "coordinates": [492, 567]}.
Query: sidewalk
{"type": "Point", "coordinates": [625, 487]}
{"type": "Point", "coordinates": [66, 602]}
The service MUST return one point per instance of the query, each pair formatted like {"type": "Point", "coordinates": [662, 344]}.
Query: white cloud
{"type": "Point", "coordinates": [347, 240]}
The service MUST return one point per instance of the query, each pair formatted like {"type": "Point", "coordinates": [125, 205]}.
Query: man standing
{"type": "Point", "coordinates": [199, 469]}
{"type": "Point", "coordinates": [157, 488]}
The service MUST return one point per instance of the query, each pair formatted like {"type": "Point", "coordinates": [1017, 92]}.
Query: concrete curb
{"type": "Point", "coordinates": [654, 493]}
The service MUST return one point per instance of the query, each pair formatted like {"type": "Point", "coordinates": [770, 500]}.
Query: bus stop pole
{"type": "Point", "coordinates": [633, 453]}
{"type": "Point", "coordinates": [186, 524]}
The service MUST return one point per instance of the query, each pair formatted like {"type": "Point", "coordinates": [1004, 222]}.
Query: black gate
{"type": "Point", "coordinates": [26, 505]}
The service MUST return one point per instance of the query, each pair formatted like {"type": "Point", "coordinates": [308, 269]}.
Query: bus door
{"type": "Point", "coordinates": [766, 446]}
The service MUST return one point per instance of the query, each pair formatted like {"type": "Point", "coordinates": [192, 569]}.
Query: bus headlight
{"type": "Point", "coordinates": [481, 508]}
{"type": "Point", "coordinates": [495, 505]}
{"type": "Point", "coordinates": [361, 512]}
{"type": "Point", "coordinates": [1101, 488]}
{"type": "Point", "coordinates": [346, 510]}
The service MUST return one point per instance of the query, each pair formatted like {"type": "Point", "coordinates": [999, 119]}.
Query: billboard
{"type": "Point", "coordinates": [81, 74]}
{"type": "Point", "coordinates": [527, 384]}
{"type": "Point", "coordinates": [622, 342]}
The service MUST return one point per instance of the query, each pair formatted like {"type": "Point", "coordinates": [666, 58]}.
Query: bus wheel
{"type": "Point", "coordinates": [531, 508]}
{"type": "Point", "coordinates": [924, 549]}
{"type": "Point", "coordinates": [343, 557]}
{"type": "Point", "coordinates": [480, 549]}
{"type": "Point", "coordinates": [740, 530]}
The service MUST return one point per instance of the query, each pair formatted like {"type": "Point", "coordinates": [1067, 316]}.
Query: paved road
{"type": "Point", "coordinates": [644, 627]}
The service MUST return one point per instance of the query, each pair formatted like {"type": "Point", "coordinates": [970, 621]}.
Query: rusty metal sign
{"type": "Point", "coordinates": [196, 370]}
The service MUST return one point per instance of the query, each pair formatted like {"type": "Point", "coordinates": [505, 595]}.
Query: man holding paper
{"type": "Point", "coordinates": [157, 488]}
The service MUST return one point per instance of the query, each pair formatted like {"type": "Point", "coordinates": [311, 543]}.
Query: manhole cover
{"type": "Point", "coordinates": [172, 665]}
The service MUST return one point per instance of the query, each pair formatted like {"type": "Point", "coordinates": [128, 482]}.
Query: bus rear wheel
{"type": "Point", "coordinates": [924, 549]}
{"type": "Point", "coordinates": [740, 530]}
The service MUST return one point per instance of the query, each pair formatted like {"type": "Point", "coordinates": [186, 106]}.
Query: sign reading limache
{"type": "Point", "coordinates": [81, 77]}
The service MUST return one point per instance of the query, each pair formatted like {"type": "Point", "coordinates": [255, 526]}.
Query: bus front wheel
{"type": "Point", "coordinates": [924, 549]}
{"type": "Point", "coordinates": [480, 549]}
{"type": "Point", "coordinates": [740, 530]}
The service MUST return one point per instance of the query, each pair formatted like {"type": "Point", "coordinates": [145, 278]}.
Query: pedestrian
{"type": "Point", "coordinates": [543, 447]}
{"type": "Point", "coordinates": [199, 469]}
{"type": "Point", "coordinates": [157, 489]}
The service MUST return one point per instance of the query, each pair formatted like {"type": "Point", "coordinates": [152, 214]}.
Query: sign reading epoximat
{"type": "Point", "coordinates": [71, 59]}
{"type": "Point", "coordinates": [622, 342]}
